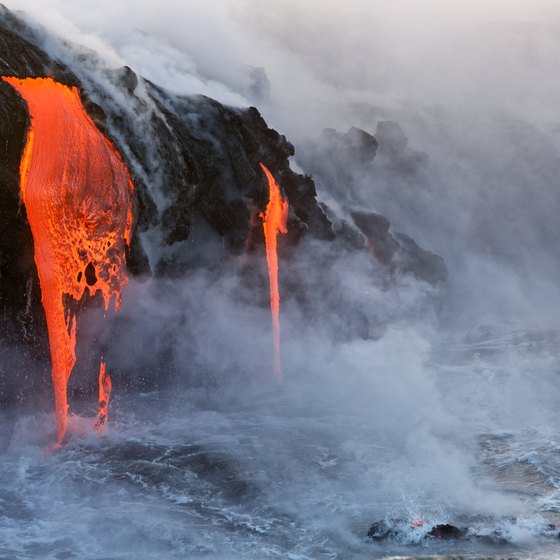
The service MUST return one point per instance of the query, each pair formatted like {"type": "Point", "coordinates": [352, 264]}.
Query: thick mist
{"type": "Point", "coordinates": [390, 384]}
{"type": "Point", "coordinates": [472, 85]}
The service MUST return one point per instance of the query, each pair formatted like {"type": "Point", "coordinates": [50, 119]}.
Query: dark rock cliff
{"type": "Point", "coordinates": [198, 184]}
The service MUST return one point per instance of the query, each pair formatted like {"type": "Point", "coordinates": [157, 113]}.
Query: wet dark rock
{"type": "Point", "coordinates": [376, 229]}
{"type": "Point", "coordinates": [381, 531]}
{"type": "Point", "coordinates": [351, 236]}
{"type": "Point", "coordinates": [493, 538]}
{"type": "Point", "coordinates": [410, 257]}
{"type": "Point", "coordinates": [356, 145]}
{"type": "Point", "coordinates": [394, 151]}
{"type": "Point", "coordinates": [391, 137]}
{"type": "Point", "coordinates": [22, 59]}
{"type": "Point", "coordinates": [398, 528]}
{"type": "Point", "coordinates": [194, 155]}
{"type": "Point", "coordinates": [447, 532]}
{"type": "Point", "coordinates": [198, 184]}
{"type": "Point", "coordinates": [397, 250]}
{"type": "Point", "coordinates": [349, 165]}
{"type": "Point", "coordinates": [126, 78]}
{"type": "Point", "coordinates": [158, 467]}
{"type": "Point", "coordinates": [137, 261]}
{"type": "Point", "coordinates": [480, 530]}
{"type": "Point", "coordinates": [23, 327]}
{"type": "Point", "coordinates": [198, 158]}
{"type": "Point", "coordinates": [200, 161]}
{"type": "Point", "coordinates": [17, 266]}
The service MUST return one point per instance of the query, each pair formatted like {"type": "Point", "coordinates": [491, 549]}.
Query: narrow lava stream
{"type": "Point", "coordinates": [275, 220]}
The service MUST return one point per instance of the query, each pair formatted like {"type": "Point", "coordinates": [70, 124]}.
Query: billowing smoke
{"type": "Point", "coordinates": [398, 384]}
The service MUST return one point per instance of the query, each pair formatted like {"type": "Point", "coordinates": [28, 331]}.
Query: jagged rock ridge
{"type": "Point", "coordinates": [198, 184]}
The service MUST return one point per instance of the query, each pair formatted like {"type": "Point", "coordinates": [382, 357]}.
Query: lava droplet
{"type": "Point", "coordinates": [275, 220]}
{"type": "Point", "coordinates": [79, 200]}
{"type": "Point", "coordinates": [104, 395]}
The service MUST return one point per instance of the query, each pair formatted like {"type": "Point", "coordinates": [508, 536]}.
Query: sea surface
{"type": "Point", "coordinates": [281, 473]}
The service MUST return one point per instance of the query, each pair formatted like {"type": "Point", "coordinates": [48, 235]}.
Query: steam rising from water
{"type": "Point", "coordinates": [412, 417]}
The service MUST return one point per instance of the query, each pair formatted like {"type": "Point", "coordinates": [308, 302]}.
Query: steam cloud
{"type": "Point", "coordinates": [473, 87]}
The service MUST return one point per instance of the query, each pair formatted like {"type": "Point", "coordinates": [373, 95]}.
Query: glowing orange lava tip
{"type": "Point", "coordinates": [275, 219]}
{"type": "Point", "coordinates": [78, 195]}
{"type": "Point", "coordinates": [105, 386]}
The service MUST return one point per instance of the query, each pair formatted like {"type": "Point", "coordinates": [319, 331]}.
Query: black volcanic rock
{"type": "Point", "coordinates": [199, 187]}
{"type": "Point", "coordinates": [20, 298]}
{"type": "Point", "coordinates": [397, 250]}
{"type": "Point", "coordinates": [126, 78]}
{"type": "Point", "coordinates": [381, 531]}
{"type": "Point", "coordinates": [394, 152]}
{"type": "Point", "coordinates": [356, 145]}
{"type": "Point", "coordinates": [410, 257]}
{"type": "Point", "coordinates": [391, 137]}
{"type": "Point", "coordinates": [376, 229]}
{"type": "Point", "coordinates": [196, 161]}
{"type": "Point", "coordinates": [447, 532]}
{"type": "Point", "coordinates": [349, 165]}
{"type": "Point", "coordinates": [192, 158]}
{"type": "Point", "coordinates": [22, 59]}
{"type": "Point", "coordinates": [484, 530]}
{"type": "Point", "coordinates": [336, 156]}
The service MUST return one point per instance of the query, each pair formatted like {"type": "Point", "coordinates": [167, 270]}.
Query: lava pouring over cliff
{"type": "Point", "coordinates": [274, 221]}
{"type": "Point", "coordinates": [78, 195]}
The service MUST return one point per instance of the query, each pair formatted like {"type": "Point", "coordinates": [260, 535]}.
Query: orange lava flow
{"type": "Point", "coordinates": [275, 219]}
{"type": "Point", "coordinates": [78, 195]}
{"type": "Point", "coordinates": [105, 386]}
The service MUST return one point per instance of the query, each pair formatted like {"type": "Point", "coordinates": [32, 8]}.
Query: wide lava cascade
{"type": "Point", "coordinates": [275, 220]}
{"type": "Point", "coordinates": [78, 195]}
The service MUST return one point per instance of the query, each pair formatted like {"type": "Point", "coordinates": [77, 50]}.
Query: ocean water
{"type": "Point", "coordinates": [301, 471]}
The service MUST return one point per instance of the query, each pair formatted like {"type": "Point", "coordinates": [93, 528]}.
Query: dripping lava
{"type": "Point", "coordinates": [274, 221]}
{"type": "Point", "coordinates": [78, 195]}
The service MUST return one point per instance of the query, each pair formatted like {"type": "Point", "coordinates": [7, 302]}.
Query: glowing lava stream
{"type": "Point", "coordinates": [274, 221]}
{"type": "Point", "coordinates": [79, 200]}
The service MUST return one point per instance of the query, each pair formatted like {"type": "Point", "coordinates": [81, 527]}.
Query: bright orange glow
{"type": "Point", "coordinates": [79, 200]}
{"type": "Point", "coordinates": [275, 219]}
{"type": "Point", "coordinates": [105, 386]}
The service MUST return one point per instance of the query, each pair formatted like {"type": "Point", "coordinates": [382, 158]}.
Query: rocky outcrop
{"type": "Point", "coordinates": [354, 168]}
{"type": "Point", "coordinates": [397, 250]}
{"type": "Point", "coordinates": [488, 531]}
{"type": "Point", "coordinates": [394, 151]}
{"type": "Point", "coordinates": [356, 145]}
{"type": "Point", "coordinates": [195, 168]}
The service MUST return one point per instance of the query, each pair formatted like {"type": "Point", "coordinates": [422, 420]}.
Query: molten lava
{"type": "Point", "coordinates": [274, 221]}
{"type": "Point", "coordinates": [79, 200]}
{"type": "Point", "coordinates": [104, 395]}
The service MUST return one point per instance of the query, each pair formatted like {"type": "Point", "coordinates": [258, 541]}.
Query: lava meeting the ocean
{"type": "Point", "coordinates": [105, 386]}
{"type": "Point", "coordinates": [275, 220]}
{"type": "Point", "coordinates": [78, 195]}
